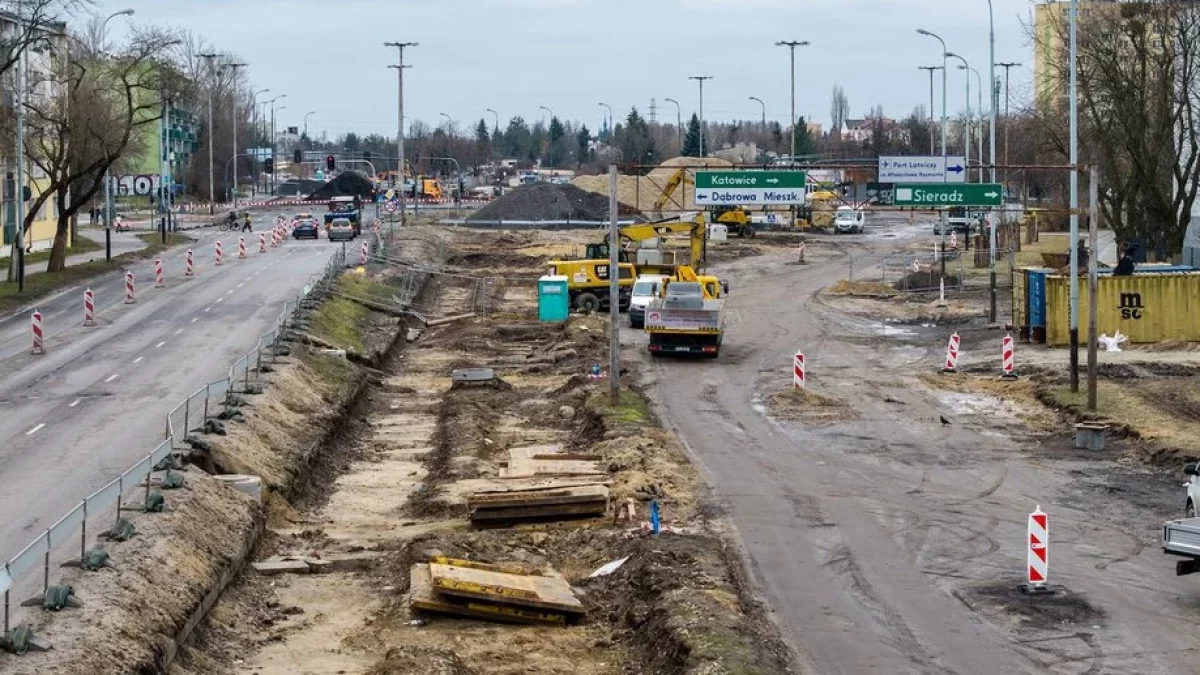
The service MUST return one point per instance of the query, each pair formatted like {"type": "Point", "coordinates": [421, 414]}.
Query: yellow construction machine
{"type": "Point", "coordinates": [736, 218]}
{"type": "Point", "coordinates": [658, 260]}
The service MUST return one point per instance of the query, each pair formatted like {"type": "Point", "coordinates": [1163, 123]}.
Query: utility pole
{"type": "Point", "coordinates": [19, 187]}
{"type": "Point", "coordinates": [1007, 120]}
{"type": "Point", "coordinates": [922, 31]}
{"type": "Point", "coordinates": [930, 69]}
{"type": "Point", "coordinates": [164, 150]}
{"type": "Point", "coordinates": [212, 192]}
{"type": "Point", "coordinates": [678, 122]}
{"type": "Point", "coordinates": [701, 79]}
{"type": "Point", "coordinates": [400, 123]}
{"type": "Point", "coordinates": [234, 81]}
{"type": "Point", "coordinates": [992, 104]}
{"type": "Point", "coordinates": [614, 297]}
{"type": "Point", "coordinates": [107, 176]}
{"type": "Point", "coordinates": [1093, 283]}
{"type": "Point", "coordinates": [791, 45]}
{"type": "Point", "coordinates": [967, 123]}
{"type": "Point", "coordinates": [1073, 239]}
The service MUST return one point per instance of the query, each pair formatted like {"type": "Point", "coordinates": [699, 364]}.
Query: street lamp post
{"type": "Point", "coordinates": [495, 114]}
{"type": "Point", "coordinates": [1007, 120]}
{"type": "Point", "coordinates": [234, 68]}
{"type": "Point", "coordinates": [254, 127]}
{"type": "Point", "coordinates": [701, 79]}
{"type": "Point", "coordinates": [212, 193]}
{"type": "Point", "coordinates": [542, 107]}
{"type": "Point", "coordinates": [400, 123]}
{"type": "Point", "coordinates": [610, 115]}
{"type": "Point", "coordinates": [764, 110]}
{"type": "Point", "coordinates": [979, 102]}
{"type": "Point", "coordinates": [449, 122]}
{"type": "Point", "coordinates": [942, 228]}
{"type": "Point", "coordinates": [306, 116]}
{"type": "Point", "coordinates": [678, 122]}
{"type": "Point", "coordinates": [1072, 95]}
{"type": "Point", "coordinates": [791, 45]}
{"type": "Point", "coordinates": [107, 177]}
{"type": "Point", "coordinates": [273, 139]}
{"type": "Point", "coordinates": [967, 124]}
{"type": "Point", "coordinates": [992, 112]}
{"type": "Point", "coordinates": [930, 69]}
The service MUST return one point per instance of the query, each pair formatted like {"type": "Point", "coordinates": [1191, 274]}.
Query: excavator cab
{"type": "Point", "coordinates": [600, 252]}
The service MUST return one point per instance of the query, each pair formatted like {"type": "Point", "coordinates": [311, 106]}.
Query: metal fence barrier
{"type": "Point", "coordinates": [188, 416]}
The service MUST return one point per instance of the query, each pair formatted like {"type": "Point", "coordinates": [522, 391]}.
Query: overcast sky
{"type": "Point", "coordinates": [516, 55]}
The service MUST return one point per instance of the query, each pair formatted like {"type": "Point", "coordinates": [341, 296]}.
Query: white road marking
{"type": "Point", "coordinates": [181, 330]}
{"type": "Point", "coordinates": [35, 429]}
{"type": "Point", "coordinates": [218, 300]}
{"type": "Point", "coordinates": [75, 403]}
{"type": "Point", "coordinates": [194, 320]}
{"type": "Point", "coordinates": [159, 345]}
{"type": "Point", "coordinates": [229, 292]}
{"type": "Point", "coordinates": [112, 377]}
{"type": "Point", "coordinates": [207, 308]}
{"type": "Point", "coordinates": [241, 284]}
{"type": "Point", "coordinates": [138, 360]}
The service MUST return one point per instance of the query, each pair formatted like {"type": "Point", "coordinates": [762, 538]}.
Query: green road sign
{"type": "Point", "coordinates": [717, 188]}
{"type": "Point", "coordinates": [948, 194]}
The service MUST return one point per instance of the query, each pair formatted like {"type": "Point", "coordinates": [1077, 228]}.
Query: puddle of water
{"type": "Point", "coordinates": [974, 404]}
{"type": "Point", "coordinates": [759, 408]}
{"type": "Point", "coordinates": [892, 331]}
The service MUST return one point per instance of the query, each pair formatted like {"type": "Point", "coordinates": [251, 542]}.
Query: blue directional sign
{"type": "Point", "coordinates": [923, 169]}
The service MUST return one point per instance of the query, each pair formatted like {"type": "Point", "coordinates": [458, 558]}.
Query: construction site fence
{"type": "Point", "coordinates": [84, 519]}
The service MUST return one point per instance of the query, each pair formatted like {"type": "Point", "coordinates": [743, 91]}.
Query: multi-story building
{"type": "Point", "coordinates": [1050, 21]}
{"type": "Point", "coordinates": [39, 63]}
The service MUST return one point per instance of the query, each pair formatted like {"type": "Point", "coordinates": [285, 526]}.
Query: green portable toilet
{"type": "Point", "coordinates": [554, 301]}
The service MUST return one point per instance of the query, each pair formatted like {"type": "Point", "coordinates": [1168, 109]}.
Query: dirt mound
{"type": "Point", "coordinates": [546, 201]}
{"type": "Point", "coordinates": [643, 191]}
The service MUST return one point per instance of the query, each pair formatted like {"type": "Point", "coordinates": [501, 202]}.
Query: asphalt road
{"type": "Point", "coordinates": [887, 543]}
{"type": "Point", "coordinates": [96, 401]}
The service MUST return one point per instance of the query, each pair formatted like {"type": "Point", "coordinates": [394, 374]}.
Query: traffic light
{"type": "Point", "coordinates": [330, 163]}
{"type": "Point", "coordinates": [269, 165]}
{"type": "Point", "coordinates": [297, 156]}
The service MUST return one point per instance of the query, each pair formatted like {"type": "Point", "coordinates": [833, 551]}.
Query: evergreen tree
{"type": "Point", "coordinates": [691, 138]}
{"type": "Point", "coordinates": [582, 142]}
{"type": "Point", "coordinates": [804, 139]}
{"type": "Point", "coordinates": [635, 140]}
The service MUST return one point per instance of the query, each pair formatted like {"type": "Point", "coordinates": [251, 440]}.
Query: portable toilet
{"type": "Point", "coordinates": [718, 232]}
{"type": "Point", "coordinates": [554, 301]}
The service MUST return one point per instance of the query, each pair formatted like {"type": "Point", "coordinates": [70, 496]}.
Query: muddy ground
{"type": "Point", "coordinates": [397, 480]}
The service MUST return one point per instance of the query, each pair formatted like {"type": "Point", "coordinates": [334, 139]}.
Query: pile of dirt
{"type": "Point", "coordinates": [804, 405]}
{"type": "Point", "coordinates": [643, 191]}
{"type": "Point", "coordinates": [546, 201]}
{"type": "Point", "coordinates": [924, 279]}
{"type": "Point", "coordinates": [867, 289]}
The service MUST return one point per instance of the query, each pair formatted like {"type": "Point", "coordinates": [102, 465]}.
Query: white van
{"type": "Point", "coordinates": [645, 288]}
{"type": "Point", "coordinates": [849, 219]}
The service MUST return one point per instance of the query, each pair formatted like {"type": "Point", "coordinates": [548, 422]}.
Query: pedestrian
{"type": "Point", "coordinates": [246, 224]}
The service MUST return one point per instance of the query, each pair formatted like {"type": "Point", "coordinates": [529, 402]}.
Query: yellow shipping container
{"type": "Point", "coordinates": [1146, 307]}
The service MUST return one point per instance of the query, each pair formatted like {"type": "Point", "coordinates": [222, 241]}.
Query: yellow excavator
{"type": "Point", "coordinates": [659, 260]}
{"type": "Point", "coordinates": [735, 218]}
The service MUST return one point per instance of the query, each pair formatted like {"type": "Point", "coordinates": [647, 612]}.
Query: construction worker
{"type": "Point", "coordinates": [246, 224]}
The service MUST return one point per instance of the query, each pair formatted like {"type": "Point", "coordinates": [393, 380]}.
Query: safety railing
{"type": "Point", "coordinates": [190, 415]}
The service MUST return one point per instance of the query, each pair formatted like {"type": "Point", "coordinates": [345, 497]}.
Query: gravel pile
{"type": "Point", "coordinates": [546, 201]}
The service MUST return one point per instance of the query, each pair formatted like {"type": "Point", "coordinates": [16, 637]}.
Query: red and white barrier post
{"type": "Point", "coordinates": [952, 355]}
{"type": "Point", "coordinates": [1007, 358]}
{"type": "Point", "coordinates": [363, 254]}
{"type": "Point", "coordinates": [129, 297]}
{"type": "Point", "coordinates": [801, 257]}
{"type": "Point", "coordinates": [89, 308]}
{"type": "Point", "coordinates": [1038, 556]}
{"type": "Point", "coordinates": [36, 323]}
{"type": "Point", "coordinates": [160, 278]}
{"type": "Point", "coordinates": [799, 373]}
{"type": "Point", "coordinates": [953, 240]}
{"type": "Point", "coordinates": [191, 264]}
{"type": "Point", "coordinates": [217, 253]}
{"type": "Point", "coordinates": [241, 247]}
{"type": "Point", "coordinates": [262, 242]}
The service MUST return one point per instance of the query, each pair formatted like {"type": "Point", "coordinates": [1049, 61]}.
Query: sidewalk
{"type": "Point", "coordinates": [122, 242]}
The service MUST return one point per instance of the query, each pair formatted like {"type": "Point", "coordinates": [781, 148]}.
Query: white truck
{"type": "Point", "coordinates": [682, 321]}
{"type": "Point", "coordinates": [1182, 537]}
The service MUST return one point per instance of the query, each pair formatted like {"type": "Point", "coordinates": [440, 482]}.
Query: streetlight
{"type": "Point", "coordinates": [274, 138]}
{"type": "Point", "coordinates": [1007, 121]}
{"type": "Point", "coordinates": [234, 67]}
{"type": "Point", "coordinates": [791, 45]}
{"type": "Point", "coordinates": [542, 107]}
{"type": "Point", "coordinates": [254, 113]}
{"type": "Point", "coordinates": [930, 69]}
{"type": "Point", "coordinates": [935, 36]}
{"type": "Point", "coordinates": [610, 115]}
{"type": "Point", "coordinates": [701, 79]}
{"type": "Point", "coordinates": [271, 104]}
{"type": "Point", "coordinates": [992, 115]}
{"type": "Point", "coordinates": [107, 178]}
{"type": "Point", "coordinates": [306, 116]}
{"type": "Point", "coordinates": [448, 121]}
{"type": "Point", "coordinates": [979, 101]}
{"type": "Point", "coordinates": [967, 125]}
{"type": "Point", "coordinates": [764, 110]}
{"type": "Point", "coordinates": [678, 122]}
{"type": "Point", "coordinates": [1073, 104]}
{"type": "Point", "coordinates": [497, 116]}
{"type": "Point", "coordinates": [400, 122]}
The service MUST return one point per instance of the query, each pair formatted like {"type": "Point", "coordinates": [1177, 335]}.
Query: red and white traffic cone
{"type": "Point", "coordinates": [363, 254]}
{"type": "Point", "coordinates": [262, 242]}
{"type": "Point", "coordinates": [129, 297]}
{"type": "Point", "coordinates": [801, 257]}
{"type": "Point", "coordinates": [36, 322]}
{"type": "Point", "coordinates": [798, 371]}
{"type": "Point", "coordinates": [954, 241]}
{"type": "Point", "coordinates": [190, 269]}
{"type": "Point", "coordinates": [1037, 568]}
{"type": "Point", "coordinates": [160, 280]}
{"type": "Point", "coordinates": [217, 253]}
{"type": "Point", "coordinates": [89, 308]}
{"type": "Point", "coordinates": [241, 248]}
{"type": "Point", "coordinates": [952, 355]}
{"type": "Point", "coordinates": [1008, 358]}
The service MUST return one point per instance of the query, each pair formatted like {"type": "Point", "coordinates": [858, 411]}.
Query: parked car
{"type": "Point", "coordinates": [340, 229]}
{"type": "Point", "coordinates": [306, 228]}
{"type": "Point", "coordinates": [959, 219]}
{"type": "Point", "coordinates": [645, 289]}
{"type": "Point", "coordinates": [849, 219]}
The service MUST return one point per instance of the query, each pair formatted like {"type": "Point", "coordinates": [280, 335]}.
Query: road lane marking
{"type": "Point", "coordinates": [218, 300]}
{"type": "Point", "coordinates": [138, 360]}
{"type": "Point", "coordinates": [35, 429]}
{"type": "Point", "coordinates": [181, 330]}
{"type": "Point", "coordinates": [240, 285]}
{"type": "Point", "coordinates": [75, 403]}
{"type": "Point", "coordinates": [194, 320]}
{"type": "Point", "coordinates": [112, 377]}
{"type": "Point", "coordinates": [159, 345]}
{"type": "Point", "coordinates": [207, 308]}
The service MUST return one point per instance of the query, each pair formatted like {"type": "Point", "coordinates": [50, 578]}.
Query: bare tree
{"type": "Point", "coordinates": [82, 116]}
{"type": "Point", "coordinates": [839, 110]}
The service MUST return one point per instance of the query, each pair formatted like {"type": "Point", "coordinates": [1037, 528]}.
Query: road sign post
{"type": "Point", "coordinates": [941, 194]}
{"type": "Point", "coordinates": [750, 188]}
{"type": "Point", "coordinates": [923, 169]}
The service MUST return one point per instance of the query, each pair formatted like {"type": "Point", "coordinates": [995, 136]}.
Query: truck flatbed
{"type": "Point", "coordinates": [1182, 538]}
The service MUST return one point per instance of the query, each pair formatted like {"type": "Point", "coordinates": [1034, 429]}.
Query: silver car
{"type": "Point", "coordinates": [341, 230]}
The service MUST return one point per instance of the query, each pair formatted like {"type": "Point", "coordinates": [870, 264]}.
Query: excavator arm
{"type": "Point", "coordinates": [679, 177]}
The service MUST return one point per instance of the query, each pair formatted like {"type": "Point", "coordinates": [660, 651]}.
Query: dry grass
{"type": "Point", "coordinates": [808, 406]}
{"type": "Point", "coordinates": [1023, 393]}
{"type": "Point", "coordinates": [867, 289]}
